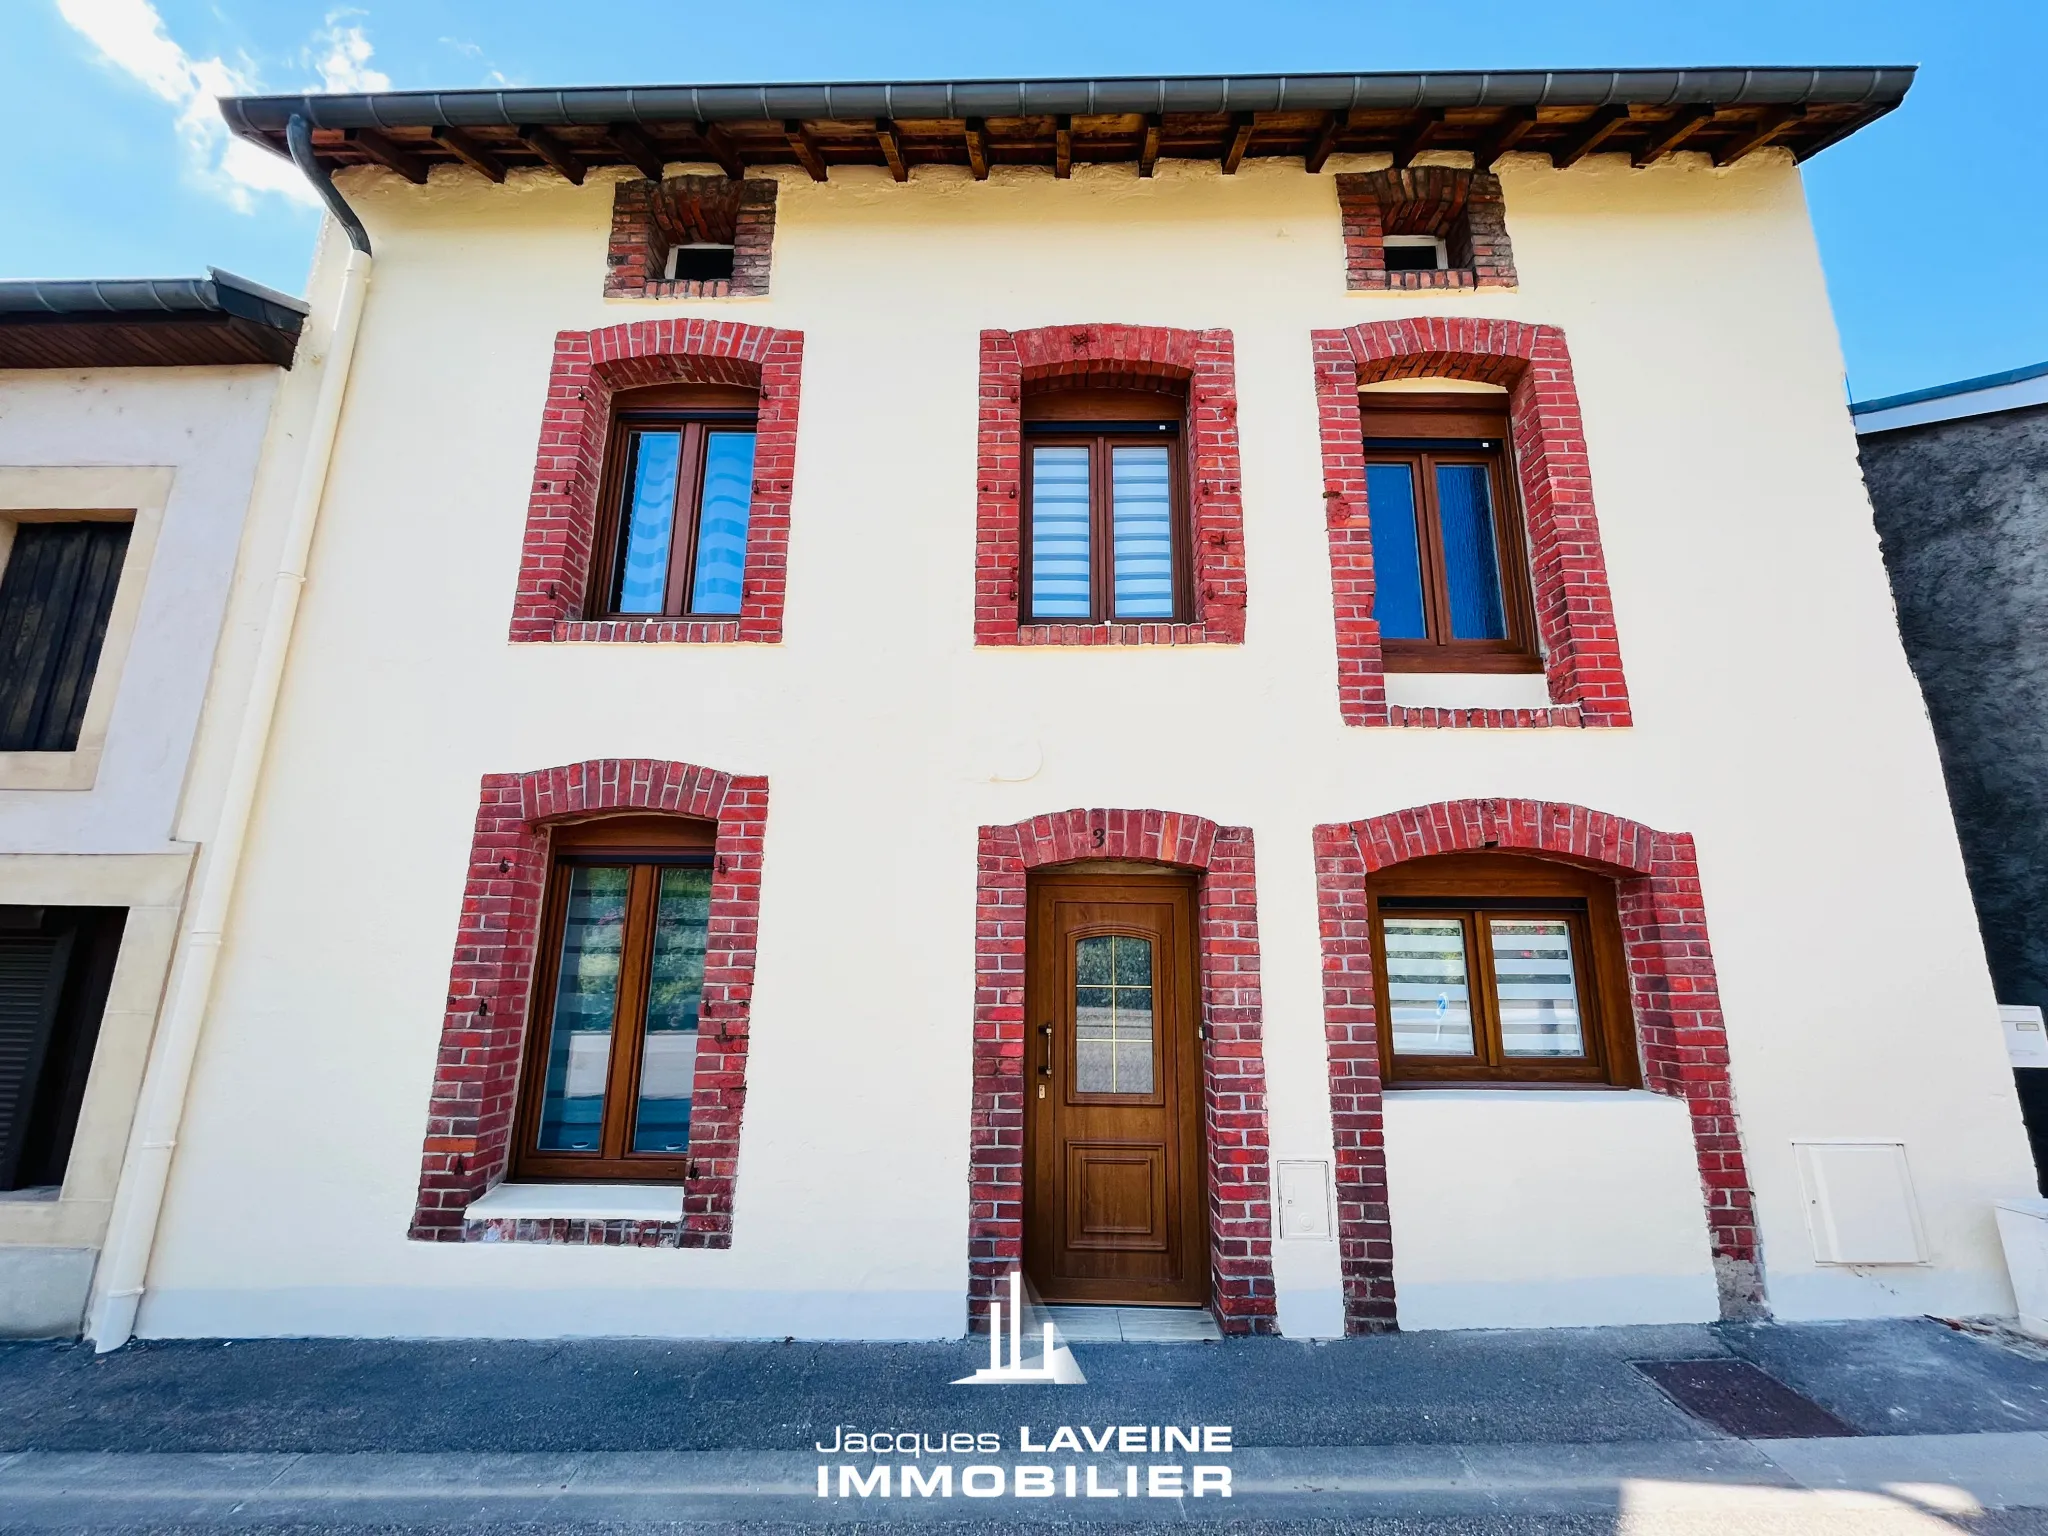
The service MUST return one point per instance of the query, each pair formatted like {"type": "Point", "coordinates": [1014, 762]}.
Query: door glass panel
{"type": "Point", "coordinates": [1464, 505]}
{"type": "Point", "coordinates": [1059, 533]}
{"type": "Point", "coordinates": [1428, 989]}
{"type": "Point", "coordinates": [675, 990]}
{"type": "Point", "coordinates": [1113, 1014]}
{"type": "Point", "coordinates": [1396, 560]}
{"type": "Point", "coordinates": [1539, 996]}
{"type": "Point", "coordinates": [650, 521]}
{"type": "Point", "coordinates": [722, 522]}
{"type": "Point", "coordinates": [1141, 517]}
{"type": "Point", "coordinates": [586, 997]}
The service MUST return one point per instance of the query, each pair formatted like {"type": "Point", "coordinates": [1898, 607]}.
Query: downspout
{"type": "Point", "coordinates": [139, 1200]}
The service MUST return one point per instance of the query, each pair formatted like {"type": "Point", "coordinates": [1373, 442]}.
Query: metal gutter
{"type": "Point", "coordinates": [1942, 391]}
{"type": "Point", "coordinates": [220, 293]}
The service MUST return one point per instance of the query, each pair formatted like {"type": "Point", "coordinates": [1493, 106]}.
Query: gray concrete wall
{"type": "Point", "coordinates": [1962, 510]}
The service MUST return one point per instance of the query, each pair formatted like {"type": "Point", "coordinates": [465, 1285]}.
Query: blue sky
{"type": "Point", "coordinates": [1932, 222]}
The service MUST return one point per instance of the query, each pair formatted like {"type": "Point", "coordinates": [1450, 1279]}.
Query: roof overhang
{"type": "Point", "coordinates": [147, 323]}
{"type": "Point", "coordinates": [1563, 114]}
{"type": "Point", "coordinates": [2014, 390]}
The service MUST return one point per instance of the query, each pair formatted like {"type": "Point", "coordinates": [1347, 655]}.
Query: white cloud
{"type": "Point", "coordinates": [130, 35]}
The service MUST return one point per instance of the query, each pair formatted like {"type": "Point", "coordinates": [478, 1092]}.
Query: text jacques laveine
{"type": "Point", "coordinates": [1167, 1469]}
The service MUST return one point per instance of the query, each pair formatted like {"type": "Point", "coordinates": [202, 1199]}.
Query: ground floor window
{"type": "Point", "coordinates": [56, 964]}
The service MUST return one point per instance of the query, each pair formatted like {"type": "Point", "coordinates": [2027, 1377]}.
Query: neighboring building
{"type": "Point", "coordinates": [1958, 476]}
{"type": "Point", "coordinates": [1262, 694]}
{"type": "Point", "coordinates": [132, 422]}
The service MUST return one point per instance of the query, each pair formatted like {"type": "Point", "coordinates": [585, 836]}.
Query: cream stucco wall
{"type": "Point", "coordinates": [1777, 722]}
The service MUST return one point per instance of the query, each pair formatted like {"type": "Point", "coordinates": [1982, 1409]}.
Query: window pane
{"type": "Point", "coordinates": [650, 521]}
{"type": "Point", "coordinates": [1428, 991]}
{"type": "Point", "coordinates": [1141, 516]}
{"type": "Point", "coordinates": [1464, 505]}
{"type": "Point", "coordinates": [55, 600]}
{"type": "Point", "coordinates": [722, 522]}
{"type": "Point", "coordinates": [586, 994]}
{"type": "Point", "coordinates": [1539, 999]}
{"type": "Point", "coordinates": [675, 988]}
{"type": "Point", "coordinates": [1059, 533]}
{"type": "Point", "coordinates": [1113, 1015]}
{"type": "Point", "coordinates": [1396, 564]}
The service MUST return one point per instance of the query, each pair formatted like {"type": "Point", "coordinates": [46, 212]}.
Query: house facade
{"type": "Point", "coordinates": [1232, 694]}
{"type": "Point", "coordinates": [133, 421]}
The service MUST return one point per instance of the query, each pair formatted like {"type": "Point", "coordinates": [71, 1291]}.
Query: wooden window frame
{"type": "Point", "coordinates": [1422, 431]}
{"type": "Point", "coordinates": [698, 411]}
{"type": "Point", "coordinates": [1472, 886]}
{"type": "Point", "coordinates": [648, 844]}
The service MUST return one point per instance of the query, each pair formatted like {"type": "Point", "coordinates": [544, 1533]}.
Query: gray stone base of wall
{"type": "Point", "coordinates": [43, 1291]}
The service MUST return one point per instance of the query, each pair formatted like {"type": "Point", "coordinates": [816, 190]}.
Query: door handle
{"type": "Point", "coordinates": [1045, 1067]}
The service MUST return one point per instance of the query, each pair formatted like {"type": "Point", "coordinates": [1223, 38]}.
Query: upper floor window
{"type": "Point", "coordinates": [1450, 576]}
{"type": "Point", "coordinates": [678, 493]}
{"type": "Point", "coordinates": [612, 1044]}
{"type": "Point", "coordinates": [1495, 968]}
{"type": "Point", "coordinates": [56, 596]}
{"type": "Point", "coordinates": [1105, 526]}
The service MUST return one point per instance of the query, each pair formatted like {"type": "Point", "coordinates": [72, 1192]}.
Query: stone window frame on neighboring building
{"type": "Point", "coordinates": [1070, 356]}
{"type": "Point", "coordinates": [1460, 209]}
{"type": "Point", "coordinates": [558, 578]}
{"type": "Point", "coordinates": [1573, 608]}
{"type": "Point", "coordinates": [1675, 1003]}
{"type": "Point", "coordinates": [474, 1103]}
{"type": "Point", "coordinates": [1234, 1068]}
{"type": "Point", "coordinates": [652, 219]}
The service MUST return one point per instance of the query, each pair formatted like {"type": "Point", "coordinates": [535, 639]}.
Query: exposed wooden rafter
{"type": "Point", "coordinates": [719, 145]}
{"type": "Point", "coordinates": [1063, 146]}
{"type": "Point", "coordinates": [1513, 127]}
{"type": "Point", "coordinates": [804, 147]}
{"type": "Point", "coordinates": [1325, 141]}
{"type": "Point", "coordinates": [1761, 133]}
{"type": "Point", "coordinates": [1667, 137]}
{"type": "Point", "coordinates": [1240, 141]}
{"type": "Point", "coordinates": [553, 152]}
{"type": "Point", "coordinates": [977, 148]}
{"type": "Point", "coordinates": [892, 148]}
{"type": "Point", "coordinates": [465, 148]}
{"type": "Point", "coordinates": [1148, 149]}
{"type": "Point", "coordinates": [1593, 132]}
{"type": "Point", "coordinates": [387, 154]}
{"type": "Point", "coordinates": [1416, 139]}
{"type": "Point", "coordinates": [630, 140]}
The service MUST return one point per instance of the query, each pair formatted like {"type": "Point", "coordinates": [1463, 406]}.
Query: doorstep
{"type": "Point", "coordinates": [1133, 1325]}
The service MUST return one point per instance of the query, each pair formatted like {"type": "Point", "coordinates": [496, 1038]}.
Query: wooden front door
{"type": "Point", "coordinates": [1114, 1199]}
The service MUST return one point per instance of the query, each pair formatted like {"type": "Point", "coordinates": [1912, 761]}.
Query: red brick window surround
{"type": "Point", "coordinates": [555, 563]}
{"type": "Point", "coordinates": [650, 219]}
{"type": "Point", "coordinates": [476, 1077]}
{"type": "Point", "coordinates": [1073, 354]}
{"type": "Point", "coordinates": [1567, 572]}
{"type": "Point", "coordinates": [1461, 208]}
{"type": "Point", "coordinates": [1240, 1211]}
{"type": "Point", "coordinates": [1676, 999]}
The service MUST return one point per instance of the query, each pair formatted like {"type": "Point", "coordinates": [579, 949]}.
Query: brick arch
{"type": "Point", "coordinates": [562, 512]}
{"type": "Point", "coordinates": [476, 1075]}
{"type": "Point", "coordinates": [1207, 361]}
{"type": "Point", "coordinates": [1568, 573]}
{"type": "Point", "coordinates": [1676, 1000]}
{"type": "Point", "coordinates": [1234, 1077]}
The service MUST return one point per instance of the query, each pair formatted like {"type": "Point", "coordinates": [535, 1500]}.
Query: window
{"type": "Point", "coordinates": [679, 491]}
{"type": "Point", "coordinates": [56, 964]}
{"type": "Point", "coordinates": [1450, 580]}
{"type": "Point", "coordinates": [56, 597]}
{"type": "Point", "coordinates": [1104, 528]}
{"type": "Point", "coordinates": [1415, 253]}
{"type": "Point", "coordinates": [1494, 968]}
{"type": "Point", "coordinates": [612, 1045]}
{"type": "Point", "coordinates": [701, 261]}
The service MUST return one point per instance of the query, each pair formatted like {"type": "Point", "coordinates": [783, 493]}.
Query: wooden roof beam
{"type": "Point", "coordinates": [1325, 143]}
{"type": "Point", "coordinates": [892, 148]}
{"type": "Point", "coordinates": [631, 140]}
{"type": "Point", "coordinates": [1512, 128]}
{"type": "Point", "coordinates": [387, 154]}
{"type": "Point", "coordinates": [1767, 128]}
{"type": "Point", "coordinates": [1412, 143]}
{"type": "Point", "coordinates": [1063, 146]}
{"type": "Point", "coordinates": [724, 153]}
{"type": "Point", "coordinates": [1240, 141]}
{"type": "Point", "coordinates": [977, 148]}
{"type": "Point", "coordinates": [553, 152]}
{"type": "Point", "coordinates": [1667, 137]}
{"type": "Point", "coordinates": [1148, 149]}
{"type": "Point", "coordinates": [804, 147]}
{"type": "Point", "coordinates": [1595, 131]}
{"type": "Point", "coordinates": [470, 152]}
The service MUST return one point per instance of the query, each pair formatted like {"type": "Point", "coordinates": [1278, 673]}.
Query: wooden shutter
{"type": "Point", "coordinates": [54, 601]}
{"type": "Point", "coordinates": [31, 980]}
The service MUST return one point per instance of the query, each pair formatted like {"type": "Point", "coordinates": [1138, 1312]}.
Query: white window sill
{"type": "Point", "coordinates": [1469, 690]}
{"type": "Point", "coordinates": [578, 1202]}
